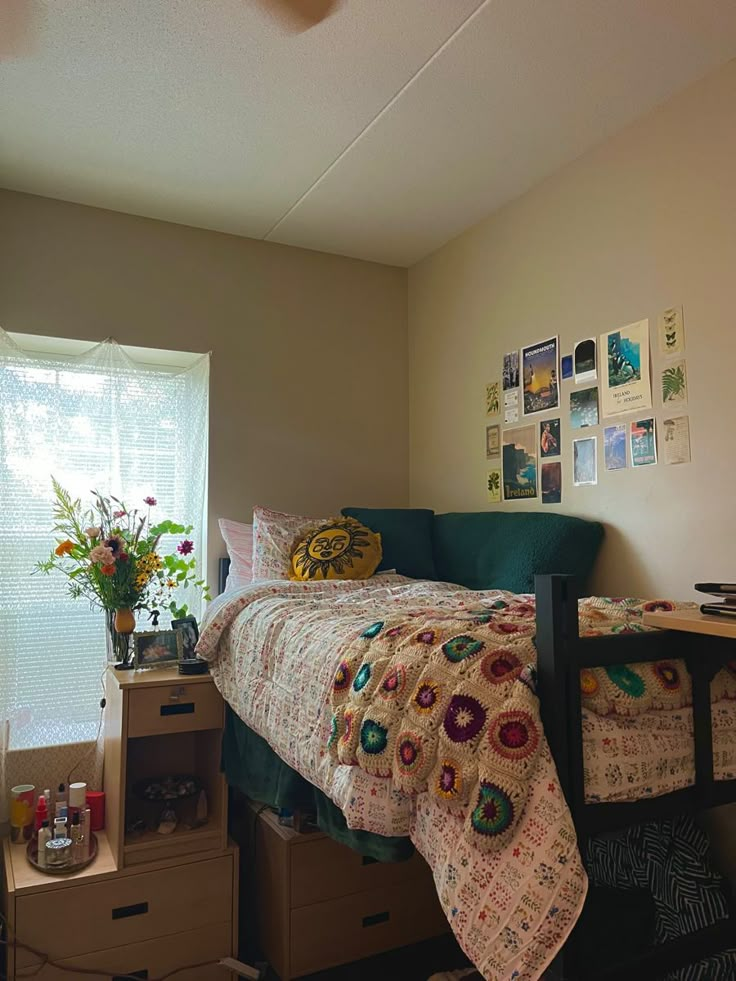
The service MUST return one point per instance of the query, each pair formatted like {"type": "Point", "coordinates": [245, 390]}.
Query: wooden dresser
{"type": "Point", "coordinates": [149, 903]}
{"type": "Point", "coordinates": [320, 904]}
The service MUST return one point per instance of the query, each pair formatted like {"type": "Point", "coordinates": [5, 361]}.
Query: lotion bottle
{"type": "Point", "coordinates": [44, 835]}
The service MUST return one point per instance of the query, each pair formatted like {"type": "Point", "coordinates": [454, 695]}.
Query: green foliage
{"type": "Point", "coordinates": [673, 383]}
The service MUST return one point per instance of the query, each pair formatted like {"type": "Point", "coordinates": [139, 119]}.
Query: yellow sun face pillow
{"type": "Point", "coordinates": [340, 549]}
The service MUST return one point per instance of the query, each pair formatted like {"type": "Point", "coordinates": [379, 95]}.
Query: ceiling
{"type": "Point", "coordinates": [381, 133]}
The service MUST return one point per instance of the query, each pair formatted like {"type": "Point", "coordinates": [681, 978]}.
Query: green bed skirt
{"type": "Point", "coordinates": [252, 767]}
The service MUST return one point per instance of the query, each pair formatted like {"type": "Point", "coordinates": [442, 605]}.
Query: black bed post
{"type": "Point", "coordinates": [557, 631]}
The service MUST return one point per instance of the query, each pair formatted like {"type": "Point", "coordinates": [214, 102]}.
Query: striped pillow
{"type": "Point", "coordinates": [239, 543]}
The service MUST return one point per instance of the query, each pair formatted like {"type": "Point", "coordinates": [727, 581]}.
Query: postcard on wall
{"type": "Point", "coordinates": [676, 442]}
{"type": "Point", "coordinates": [671, 331]}
{"type": "Point", "coordinates": [585, 361]}
{"type": "Point", "coordinates": [674, 383]}
{"type": "Point", "coordinates": [510, 414]}
{"type": "Point", "coordinates": [614, 447]}
{"type": "Point", "coordinates": [585, 461]}
{"type": "Point", "coordinates": [625, 385]}
{"type": "Point", "coordinates": [510, 370]}
{"type": "Point", "coordinates": [539, 373]}
{"type": "Point", "coordinates": [552, 483]}
{"type": "Point", "coordinates": [566, 366]}
{"type": "Point", "coordinates": [511, 397]}
{"type": "Point", "coordinates": [549, 437]}
{"type": "Point", "coordinates": [584, 407]}
{"type": "Point", "coordinates": [493, 442]}
{"type": "Point", "coordinates": [643, 443]}
{"type": "Point", "coordinates": [493, 398]}
{"type": "Point", "coordinates": [493, 486]}
{"type": "Point", "coordinates": [520, 463]}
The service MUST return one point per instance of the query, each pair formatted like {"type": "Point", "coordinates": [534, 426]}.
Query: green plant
{"type": "Point", "coordinates": [673, 383]}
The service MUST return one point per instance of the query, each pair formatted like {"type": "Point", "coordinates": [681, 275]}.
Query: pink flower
{"type": "Point", "coordinates": [185, 547]}
{"type": "Point", "coordinates": [150, 501]}
{"type": "Point", "coordinates": [102, 554]}
{"type": "Point", "coordinates": [93, 532]}
{"type": "Point", "coordinates": [119, 514]}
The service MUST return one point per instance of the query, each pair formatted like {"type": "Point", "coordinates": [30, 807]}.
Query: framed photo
{"type": "Point", "coordinates": [187, 627]}
{"type": "Point", "coordinates": [157, 648]}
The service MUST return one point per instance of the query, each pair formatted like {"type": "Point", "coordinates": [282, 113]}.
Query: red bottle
{"type": "Point", "coordinates": [42, 813]}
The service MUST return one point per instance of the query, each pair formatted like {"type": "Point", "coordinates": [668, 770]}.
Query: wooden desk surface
{"type": "Point", "coordinates": [692, 622]}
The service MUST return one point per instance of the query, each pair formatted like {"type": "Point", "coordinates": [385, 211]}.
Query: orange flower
{"type": "Point", "coordinates": [64, 548]}
{"type": "Point", "coordinates": [107, 570]}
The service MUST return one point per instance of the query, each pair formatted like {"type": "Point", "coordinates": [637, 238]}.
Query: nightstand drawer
{"type": "Point", "coordinates": [128, 909]}
{"type": "Point", "coordinates": [153, 711]}
{"type": "Point", "coordinates": [152, 958]}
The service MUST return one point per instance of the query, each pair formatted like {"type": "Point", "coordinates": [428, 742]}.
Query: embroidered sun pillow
{"type": "Point", "coordinates": [238, 538]}
{"type": "Point", "coordinates": [275, 536]}
{"type": "Point", "coordinates": [339, 549]}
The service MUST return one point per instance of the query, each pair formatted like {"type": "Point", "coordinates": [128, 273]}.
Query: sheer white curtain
{"type": "Point", "coordinates": [97, 421]}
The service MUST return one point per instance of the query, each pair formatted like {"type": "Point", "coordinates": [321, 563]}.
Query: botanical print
{"type": "Point", "coordinates": [643, 443]}
{"type": "Point", "coordinates": [676, 443]}
{"type": "Point", "coordinates": [549, 437]}
{"type": "Point", "coordinates": [614, 447]}
{"type": "Point", "coordinates": [566, 365]}
{"type": "Point", "coordinates": [493, 398]}
{"type": "Point", "coordinates": [674, 383]}
{"type": "Point", "coordinates": [493, 486]}
{"type": "Point", "coordinates": [493, 442]}
{"type": "Point", "coordinates": [585, 361]}
{"type": "Point", "coordinates": [625, 383]}
{"type": "Point", "coordinates": [519, 463]}
{"type": "Point", "coordinates": [539, 369]}
{"type": "Point", "coordinates": [584, 407]}
{"type": "Point", "coordinates": [510, 370]}
{"type": "Point", "coordinates": [552, 483]}
{"type": "Point", "coordinates": [585, 461]}
{"type": "Point", "coordinates": [671, 331]}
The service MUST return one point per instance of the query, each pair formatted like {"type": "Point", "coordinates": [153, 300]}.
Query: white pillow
{"type": "Point", "coordinates": [239, 543]}
{"type": "Point", "coordinates": [275, 536]}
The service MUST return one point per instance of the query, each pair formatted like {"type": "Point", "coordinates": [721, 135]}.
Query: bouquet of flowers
{"type": "Point", "coordinates": [110, 555]}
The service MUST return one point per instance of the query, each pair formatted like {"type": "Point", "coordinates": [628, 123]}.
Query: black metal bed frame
{"type": "Point", "coordinates": [561, 654]}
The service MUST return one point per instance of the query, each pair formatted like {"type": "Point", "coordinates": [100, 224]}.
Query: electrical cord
{"type": "Point", "coordinates": [35, 969]}
{"type": "Point", "coordinates": [95, 744]}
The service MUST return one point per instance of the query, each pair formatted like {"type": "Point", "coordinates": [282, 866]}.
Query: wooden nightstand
{"type": "Point", "coordinates": [149, 903]}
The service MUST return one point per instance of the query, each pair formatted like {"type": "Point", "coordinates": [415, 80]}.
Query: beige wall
{"type": "Point", "coordinates": [644, 222]}
{"type": "Point", "coordinates": [308, 407]}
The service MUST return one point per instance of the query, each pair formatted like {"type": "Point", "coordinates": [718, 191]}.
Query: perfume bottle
{"type": "Point", "coordinates": [77, 836]}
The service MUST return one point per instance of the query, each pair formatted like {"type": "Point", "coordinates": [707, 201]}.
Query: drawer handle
{"type": "Point", "coordinates": [375, 919]}
{"type": "Point", "coordinates": [122, 912]}
{"type": "Point", "coordinates": [133, 974]}
{"type": "Point", "coordinates": [178, 708]}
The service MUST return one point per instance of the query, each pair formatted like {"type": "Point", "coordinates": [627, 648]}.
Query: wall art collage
{"type": "Point", "coordinates": [608, 376]}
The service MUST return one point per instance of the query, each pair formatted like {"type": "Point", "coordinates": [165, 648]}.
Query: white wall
{"type": "Point", "coordinates": [644, 222]}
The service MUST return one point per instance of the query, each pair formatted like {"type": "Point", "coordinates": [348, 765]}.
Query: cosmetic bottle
{"type": "Point", "coordinates": [42, 813]}
{"type": "Point", "coordinates": [77, 799]}
{"type": "Point", "coordinates": [44, 835]}
{"type": "Point", "coordinates": [87, 832]}
{"type": "Point", "coordinates": [61, 807]}
{"type": "Point", "coordinates": [77, 838]}
{"type": "Point", "coordinates": [60, 827]}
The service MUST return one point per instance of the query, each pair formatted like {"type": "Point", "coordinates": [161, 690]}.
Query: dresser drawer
{"type": "Point", "coordinates": [366, 923]}
{"type": "Point", "coordinates": [153, 711]}
{"type": "Point", "coordinates": [151, 959]}
{"type": "Point", "coordinates": [126, 909]}
{"type": "Point", "coordinates": [323, 869]}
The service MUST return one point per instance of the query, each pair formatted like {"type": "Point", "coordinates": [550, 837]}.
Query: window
{"type": "Point", "coordinates": [96, 418]}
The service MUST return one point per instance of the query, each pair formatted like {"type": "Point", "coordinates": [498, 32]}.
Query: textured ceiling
{"type": "Point", "coordinates": [380, 134]}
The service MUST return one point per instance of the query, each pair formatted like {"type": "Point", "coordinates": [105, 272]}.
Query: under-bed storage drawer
{"type": "Point", "coordinates": [154, 711]}
{"type": "Point", "coordinates": [153, 958]}
{"type": "Point", "coordinates": [126, 909]}
{"type": "Point", "coordinates": [366, 923]}
{"type": "Point", "coordinates": [322, 869]}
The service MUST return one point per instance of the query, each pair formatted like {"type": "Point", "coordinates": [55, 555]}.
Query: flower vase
{"type": "Point", "coordinates": [120, 625]}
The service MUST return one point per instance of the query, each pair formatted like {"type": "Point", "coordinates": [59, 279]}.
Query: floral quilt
{"type": "Point", "coordinates": [417, 757]}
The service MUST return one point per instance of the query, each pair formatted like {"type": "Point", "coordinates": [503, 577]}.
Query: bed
{"type": "Point", "coordinates": [286, 657]}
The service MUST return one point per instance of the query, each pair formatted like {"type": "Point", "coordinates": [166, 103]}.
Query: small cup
{"type": "Point", "coordinates": [22, 799]}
